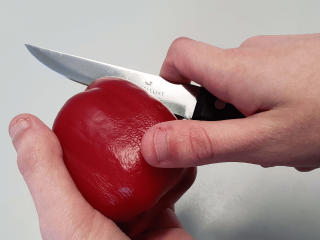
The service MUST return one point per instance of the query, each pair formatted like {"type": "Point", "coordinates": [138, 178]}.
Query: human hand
{"type": "Point", "coordinates": [63, 212]}
{"type": "Point", "coordinates": [273, 80]}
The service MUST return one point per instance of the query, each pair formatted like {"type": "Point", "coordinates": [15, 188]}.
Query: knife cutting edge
{"type": "Point", "coordinates": [188, 101]}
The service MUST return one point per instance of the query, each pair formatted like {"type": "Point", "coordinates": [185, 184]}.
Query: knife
{"type": "Point", "coordinates": [190, 101]}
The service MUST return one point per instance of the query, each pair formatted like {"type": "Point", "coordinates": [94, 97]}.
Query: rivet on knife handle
{"type": "Point", "coordinates": [210, 108]}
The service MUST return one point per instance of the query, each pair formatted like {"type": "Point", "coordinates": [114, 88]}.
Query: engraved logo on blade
{"type": "Point", "coordinates": [152, 91]}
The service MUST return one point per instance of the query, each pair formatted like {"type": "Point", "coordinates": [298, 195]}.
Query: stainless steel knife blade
{"type": "Point", "coordinates": [180, 99]}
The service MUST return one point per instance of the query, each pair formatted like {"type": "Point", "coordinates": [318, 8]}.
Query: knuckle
{"type": "Point", "coordinates": [180, 40]}
{"type": "Point", "coordinates": [201, 145]}
{"type": "Point", "coordinates": [253, 40]}
{"type": "Point", "coordinates": [179, 43]}
{"type": "Point", "coordinates": [35, 153]}
{"type": "Point", "coordinates": [30, 159]}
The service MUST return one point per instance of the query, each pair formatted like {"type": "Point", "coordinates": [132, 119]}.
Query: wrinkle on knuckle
{"type": "Point", "coordinates": [200, 144]}
{"type": "Point", "coordinates": [31, 159]}
{"type": "Point", "coordinates": [36, 155]}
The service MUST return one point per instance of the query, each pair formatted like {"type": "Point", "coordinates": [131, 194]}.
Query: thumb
{"type": "Point", "coordinates": [63, 212]}
{"type": "Point", "coordinates": [188, 143]}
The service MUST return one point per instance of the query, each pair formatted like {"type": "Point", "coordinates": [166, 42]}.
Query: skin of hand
{"type": "Point", "coordinates": [63, 212]}
{"type": "Point", "coordinates": [273, 80]}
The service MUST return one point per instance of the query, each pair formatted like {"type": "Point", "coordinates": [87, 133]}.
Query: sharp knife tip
{"type": "Point", "coordinates": [32, 49]}
{"type": "Point", "coordinates": [29, 47]}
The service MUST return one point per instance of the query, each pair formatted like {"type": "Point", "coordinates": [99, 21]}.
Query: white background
{"type": "Point", "coordinates": [228, 201]}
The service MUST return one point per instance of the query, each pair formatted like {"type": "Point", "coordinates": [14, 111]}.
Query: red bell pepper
{"type": "Point", "coordinates": [100, 131]}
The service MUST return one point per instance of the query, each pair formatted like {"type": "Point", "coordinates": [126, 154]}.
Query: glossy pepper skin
{"type": "Point", "coordinates": [100, 131]}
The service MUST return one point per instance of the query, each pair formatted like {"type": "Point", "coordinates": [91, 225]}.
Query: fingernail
{"type": "Point", "coordinates": [160, 144]}
{"type": "Point", "coordinates": [16, 128]}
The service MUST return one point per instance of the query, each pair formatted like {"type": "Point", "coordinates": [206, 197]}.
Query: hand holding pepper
{"type": "Point", "coordinates": [63, 212]}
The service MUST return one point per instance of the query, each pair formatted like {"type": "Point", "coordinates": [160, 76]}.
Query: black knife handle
{"type": "Point", "coordinates": [210, 108]}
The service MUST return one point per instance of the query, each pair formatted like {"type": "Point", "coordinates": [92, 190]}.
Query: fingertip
{"type": "Point", "coordinates": [33, 141]}
{"type": "Point", "coordinates": [167, 144]}
{"type": "Point", "coordinates": [155, 146]}
{"type": "Point", "coordinates": [17, 127]}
